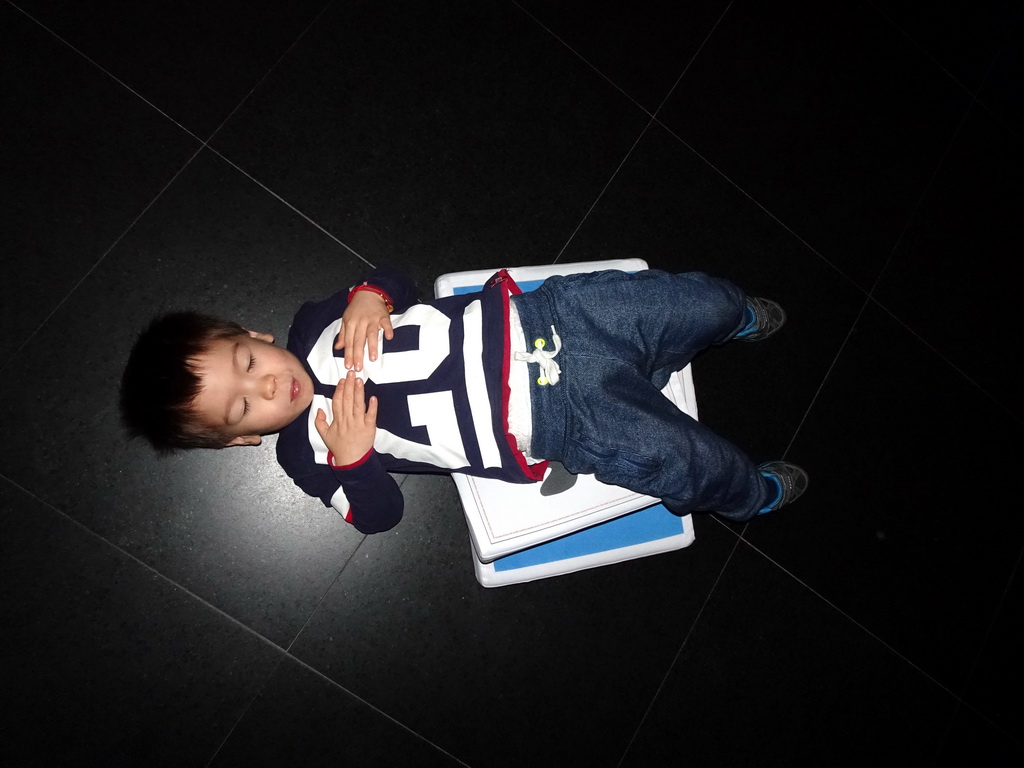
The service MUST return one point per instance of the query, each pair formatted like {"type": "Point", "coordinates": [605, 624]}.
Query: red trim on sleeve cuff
{"type": "Point", "coordinates": [353, 465]}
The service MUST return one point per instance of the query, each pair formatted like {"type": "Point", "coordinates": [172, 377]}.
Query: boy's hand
{"type": "Point", "coordinates": [350, 435]}
{"type": "Point", "coordinates": [364, 317]}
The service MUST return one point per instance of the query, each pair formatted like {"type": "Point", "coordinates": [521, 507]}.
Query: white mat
{"type": "Point", "coordinates": [519, 535]}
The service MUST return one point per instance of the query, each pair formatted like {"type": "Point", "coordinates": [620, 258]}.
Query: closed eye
{"type": "Point", "coordinates": [245, 409]}
{"type": "Point", "coordinates": [252, 362]}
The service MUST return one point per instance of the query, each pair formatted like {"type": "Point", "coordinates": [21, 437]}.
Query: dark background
{"type": "Point", "coordinates": [859, 162]}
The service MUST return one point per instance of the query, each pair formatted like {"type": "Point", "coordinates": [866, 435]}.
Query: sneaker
{"type": "Point", "coordinates": [790, 479]}
{"type": "Point", "coordinates": [766, 317]}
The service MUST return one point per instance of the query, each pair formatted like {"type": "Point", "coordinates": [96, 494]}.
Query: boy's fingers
{"type": "Point", "coordinates": [371, 341]}
{"type": "Point", "coordinates": [320, 422]}
{"type": "Point", "coordinates": [354, 351]}
{"type": "Point", "coordinates": [349, 346]}
{"type": "Point", "coordinates": [358, 399]}
{"type": "Point", "coordinates": [353, 400]}
{"type": "Point", "coordinates": [339, 396]}
{"type": "Point", "coordinates": [389, 330]}
{"type": "Point", "coordinates": [345, 341]}
{"type": "Point", "coordinates": [348, 391]}
{"type": "Point", "coordinates": [371, 411]}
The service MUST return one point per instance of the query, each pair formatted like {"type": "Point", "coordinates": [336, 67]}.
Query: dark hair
{"type": "Point", "coordinates": [160, 382]}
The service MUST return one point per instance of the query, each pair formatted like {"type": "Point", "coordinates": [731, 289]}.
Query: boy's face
{"type": "Point", "coordinates": [250, 387]}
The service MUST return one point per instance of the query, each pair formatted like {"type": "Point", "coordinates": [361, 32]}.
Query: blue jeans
{"type": "Point", "coordinates": [622, 337]}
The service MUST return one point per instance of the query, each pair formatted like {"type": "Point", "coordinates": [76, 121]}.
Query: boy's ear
{"type": "Point", "coordinates": [244, 440]}
{"type": "Point", "coordinates": [262, 336]}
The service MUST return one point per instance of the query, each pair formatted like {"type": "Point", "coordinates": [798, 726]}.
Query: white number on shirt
{"type": "Point", "coordinates": [433, 410]}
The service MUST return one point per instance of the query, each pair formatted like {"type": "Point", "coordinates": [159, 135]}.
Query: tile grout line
{"type": "Point", "coordinates": [284, 202]}
{"type": "Point", "coordinates": [704, 42]}
{"type": "Point", "coordinates": [958, 700]}
{"type": "Point", "coordinates": [961, 702]}
{"type": "Point", "coordinates": [870, 292]}
{"type": "Point", "coordinates": [824, 380]}
{"type": "Point", "coordinates": [957, 369]}
{"type": "Point", "coordinates": [655, 119]}
{"type": "Point", "coordinates": [580, 56]}
{"type": "Point", "coordinates": [269, 71]}
{"type": "Point", "coordinates": [979, 655]}
{"type": "Point", "coordinates": [134, 221]}
{"type": "Point", "coordinates": [600, 195]}
{"type": "Point", "coordinates": [245, 711]}
{"type": "Point", "coordinates": [105, 71]}
{"type": "Point", "coordinates": [71, 291]}
{"type": "Point", "coordinates": [921, 48]}
{"type": "Point", "coordinates": [871, 299]}
{"type": "Point", "coordinates": [334, 581]}
{"type": "Point", "coordinates": [298, 634]}
{"type": "Point", "coordinates": [327, 591]}
{"type": "Point", "coordinates": [287, 652]}
{"type": "Point", "coordinates": [974, 94]}
{"type": "Point", "coordinates": [653, 116]}
{"type": "Point", "coordinates": [971, 108]}
{"type": "Point", "coordinates": [268, 190]}
{"type": "Point", "coordinates": [203, 145]}
{"type": "Point", "coordinates": [760, 205]}
{"type": "Point", "coordinates": [678, 653]}
{"type": "Point", "coordinates": [284, 653]}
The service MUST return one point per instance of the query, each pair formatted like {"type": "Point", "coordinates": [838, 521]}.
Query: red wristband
{"type": "Point", "coordinates": [388, 304]}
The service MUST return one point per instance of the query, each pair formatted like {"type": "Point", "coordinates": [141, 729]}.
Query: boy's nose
{"type": "Point", "coordinates": [269, 385]}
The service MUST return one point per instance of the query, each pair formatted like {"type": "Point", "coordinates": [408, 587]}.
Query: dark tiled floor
{"type": "Point", "coordinates": [860, 165]}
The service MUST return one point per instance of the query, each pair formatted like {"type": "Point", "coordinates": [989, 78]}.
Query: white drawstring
{"type": "Point", "coordinates": [549, 369]}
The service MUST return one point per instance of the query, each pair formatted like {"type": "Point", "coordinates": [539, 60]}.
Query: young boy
{"type": "Point", "coordinates": [494, 384]}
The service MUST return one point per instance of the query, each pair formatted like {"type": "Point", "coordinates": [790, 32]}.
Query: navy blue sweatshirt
{"type": "Point", "coordinates": [442, 391]}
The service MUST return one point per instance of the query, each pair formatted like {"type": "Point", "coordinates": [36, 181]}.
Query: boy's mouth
{"type": "Point", "coordinates": [296, 389]}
